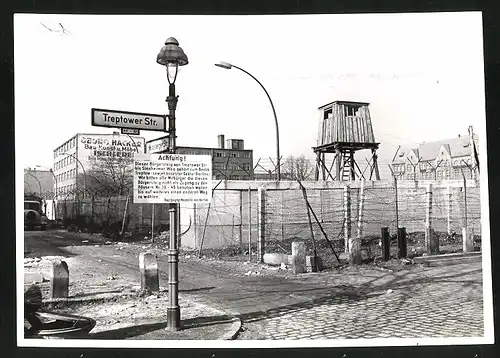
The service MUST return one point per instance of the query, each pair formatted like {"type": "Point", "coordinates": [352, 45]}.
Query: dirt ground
{"type": "Point", "coordinates": [104, 291]}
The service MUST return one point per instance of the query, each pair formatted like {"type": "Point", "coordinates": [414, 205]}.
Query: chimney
{"type": "Point", "coordinates": [220, 139]}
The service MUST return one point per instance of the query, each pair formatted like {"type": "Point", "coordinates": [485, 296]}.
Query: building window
{"type": "Point", "coordinates": [218, 154]}
{"type": "Point", "coordinates": [233, 155]}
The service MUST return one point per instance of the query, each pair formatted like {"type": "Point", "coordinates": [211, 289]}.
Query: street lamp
{"type": "Point", "coordinates": [228, 66]}
{"type": "Point", "coordinates": [172, 56]}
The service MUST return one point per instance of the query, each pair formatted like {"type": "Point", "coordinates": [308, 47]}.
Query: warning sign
{"type": "Point", "coordinates": [172, 178]}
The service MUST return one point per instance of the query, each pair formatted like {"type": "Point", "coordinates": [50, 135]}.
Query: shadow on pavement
{"type": "Point", "coordinates": [89, 294]}
{"type": "Point", "coordinates": [197, 289]}
{"type": "Point", "coordinates": [134, 331]}
{"type": "Point", "coordinates": [337, 297]}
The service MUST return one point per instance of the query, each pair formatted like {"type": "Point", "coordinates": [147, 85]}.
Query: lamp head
{"type": "Point", "coordinates": [225, 65]}
{"type": "Point", "coordinates": [172, 56]}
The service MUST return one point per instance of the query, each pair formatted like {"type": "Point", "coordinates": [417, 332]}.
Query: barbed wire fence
{"type": "Point", "coordinates": [232, 218]}
{"type": "Point", "coordinates": [226, 221]}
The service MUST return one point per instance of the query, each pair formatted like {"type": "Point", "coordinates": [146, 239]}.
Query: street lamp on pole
{"type": "Point", "coordinates": [172, 56]}
{"type": "Point", "coordinates": [228, 66]}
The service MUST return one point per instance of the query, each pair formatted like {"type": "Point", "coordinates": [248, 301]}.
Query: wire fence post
{"type": "Point", "coordinates": [468, 241]}
{"type": "Point", "coordinates": [431, 241]}
{"type": "Point", "coordinates": [195, 225]}
{"type": "Point", "coordinates": [261, 206]}
{"type": "Point", "coordinates": [249, 224]}
{"type": "Point", "coordinates": [152, 222]}
{"type": "Point", "coordinates": [449, 211]}
{"type": "Point", "coordinates": [355, 244]}
{"type": "Point", "coordinates": [240, 238]}
{"type": "Point", "coordinates": [347, 217]}
{"type": "Point", "coordinates": [140, 215]}
{"type": "Point", "coordinates": [282, 224]}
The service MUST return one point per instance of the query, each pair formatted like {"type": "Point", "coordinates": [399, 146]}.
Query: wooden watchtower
{"type": "Point", "coordinates": [345, 127]}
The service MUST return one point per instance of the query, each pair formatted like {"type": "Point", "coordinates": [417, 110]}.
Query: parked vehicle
{"type": "Point", "coordinates": [34, 215]}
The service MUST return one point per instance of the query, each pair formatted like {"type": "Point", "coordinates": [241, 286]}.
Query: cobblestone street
{"type": "Point", "coordinates": [450, 305]}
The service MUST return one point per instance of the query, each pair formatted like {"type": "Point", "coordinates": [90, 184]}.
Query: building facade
{"type": "Point", "coordinates": [230, 160]}
{"type": "Point", "coordinates": [83, 152]}
{"type": "Point", "coordinates": [445, 159]}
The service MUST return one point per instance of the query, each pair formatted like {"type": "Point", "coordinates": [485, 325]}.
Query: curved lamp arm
{"type": "Point", "coordinates": [229, 66]}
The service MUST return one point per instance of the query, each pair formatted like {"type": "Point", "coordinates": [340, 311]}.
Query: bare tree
{"type": "Point", "coordinates": [110, 176]}
{"type": "Point", "coordinates": [298, 168]}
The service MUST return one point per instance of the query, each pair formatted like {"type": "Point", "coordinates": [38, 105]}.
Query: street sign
{"type": "Point", "coordinates": [172, 178]}
{"type": "Point", "coordinates": [158, 145]}
{"type": "Point", "coordinates": [122, 119]}
{"type": "Point", "coordinates": [131, 131]}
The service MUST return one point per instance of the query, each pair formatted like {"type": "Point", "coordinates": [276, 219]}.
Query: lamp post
{"type": "Point", "coordinates": [228, 66]}
{"type": "Point", "coordinates": [172, 56]}
{"type": "Point", "coordinates": [28, 184]}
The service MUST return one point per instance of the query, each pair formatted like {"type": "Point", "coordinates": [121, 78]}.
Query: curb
{"type": "Point", "coordinates": [234, 331]}
{"type": "Point", "coordinates": [448, 259]}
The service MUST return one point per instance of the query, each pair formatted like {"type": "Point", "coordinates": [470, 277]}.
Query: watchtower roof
{"type": "Point", "coordinates": [345, 102]}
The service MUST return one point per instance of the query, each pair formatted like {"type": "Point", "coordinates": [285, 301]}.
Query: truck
{"type": "Point", "coordinates": [34, 214]}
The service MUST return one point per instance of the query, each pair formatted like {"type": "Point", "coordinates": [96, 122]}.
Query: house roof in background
{"type": "Point", "coordinates": [457, 147]}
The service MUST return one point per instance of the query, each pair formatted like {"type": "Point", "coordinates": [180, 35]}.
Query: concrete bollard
{"type": "Point", "coordinates": [402, 247]}
{"type": "Point", "coordinates": [298, 257]}
{"type": "Point", "coordinates": [311, 264]}
{"type": "Point", "coordinates": [468, 241]}
{"type": "Point", "coordinates": [60, 280]}
{"type": "Point", "coordinates": [149, 272]}
{"type": "Point", "coordinates": [386, 243]}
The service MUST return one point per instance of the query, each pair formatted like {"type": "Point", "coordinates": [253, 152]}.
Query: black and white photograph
{"type": "Point", "coordinates": [315, 180]}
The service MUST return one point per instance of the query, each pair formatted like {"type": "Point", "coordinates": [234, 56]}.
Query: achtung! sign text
{"type": "Point", "coordinates": [172, 178]}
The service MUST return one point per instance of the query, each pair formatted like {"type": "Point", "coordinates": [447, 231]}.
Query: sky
{"type": "Point", "coordinates": [422, 74]}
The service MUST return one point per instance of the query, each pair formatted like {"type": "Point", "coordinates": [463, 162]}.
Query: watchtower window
{"type": "Point", "coordinates": [328, 113]}
{"type": "Point", "coordinates": [351, 110]}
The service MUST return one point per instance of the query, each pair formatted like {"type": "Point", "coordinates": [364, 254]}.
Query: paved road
{"type": "Point", "coordinates": [356, 302]}
{"type": "Point", "coordinates": [448, 304]}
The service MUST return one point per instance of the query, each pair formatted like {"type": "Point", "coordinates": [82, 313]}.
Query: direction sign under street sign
{"type": "Point", "coordinates": [158, 145]}
{"type": "Point", "coordinates": [172, 178]}
{"type": "Point", "coordinates": [122, 119]}
{"type": "Point", "coordinates": [131, 131]}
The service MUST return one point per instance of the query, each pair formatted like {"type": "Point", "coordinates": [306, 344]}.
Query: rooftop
{"type": "Point", "coordinates": [456, 147]}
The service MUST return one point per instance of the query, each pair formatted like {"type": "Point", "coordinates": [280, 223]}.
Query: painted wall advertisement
{"type": "Point", "coordinates": [94, 148]}
{"type": "Point", "coordinates": [172, 178]}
